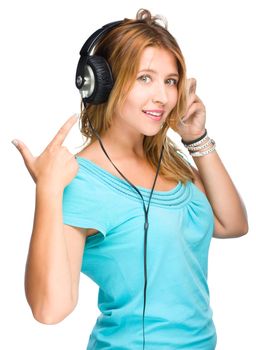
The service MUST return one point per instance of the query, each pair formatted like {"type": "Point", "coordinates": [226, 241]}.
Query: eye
{"type": "Point", "coordinates": [145, 78]}
{"type": "Point", "coordinates": [172, 81]}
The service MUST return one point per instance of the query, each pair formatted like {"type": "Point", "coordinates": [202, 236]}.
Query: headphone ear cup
{"type": "Point", "coordinates": [103, 79]}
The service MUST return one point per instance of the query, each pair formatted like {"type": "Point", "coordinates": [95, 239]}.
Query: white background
{"type": "Point", "coordinates": [40, 43]}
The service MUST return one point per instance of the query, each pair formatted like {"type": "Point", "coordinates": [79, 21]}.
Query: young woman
{"type": "Point", "coordinates": [150, 264]}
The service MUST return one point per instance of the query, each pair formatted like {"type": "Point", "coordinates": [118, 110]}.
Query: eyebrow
{"type": "Point", "coordinates": [153, 71]}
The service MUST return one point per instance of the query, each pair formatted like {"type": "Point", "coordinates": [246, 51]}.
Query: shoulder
{"type": "Point", "coordinates": [90, 152]}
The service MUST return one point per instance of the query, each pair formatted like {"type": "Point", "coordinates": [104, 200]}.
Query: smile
{"type": "Point", "coordinates": [155, 115]}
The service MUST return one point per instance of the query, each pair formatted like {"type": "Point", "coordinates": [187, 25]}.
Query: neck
{"type": "Point", "coordinates": [123, 146]}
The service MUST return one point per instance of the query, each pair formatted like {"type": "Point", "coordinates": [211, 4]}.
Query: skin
{"type": "Point", "coordinates": [52, 275]}
{"type": "Point", "coordinates": [151, 91]}
{"type": "Point", "coordinates": [55, 165]}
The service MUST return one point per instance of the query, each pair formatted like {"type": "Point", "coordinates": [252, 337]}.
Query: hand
{"type": "Point", "coordinates": [192, 124]}
{"type": "Point", "coordinates": [55, 165]}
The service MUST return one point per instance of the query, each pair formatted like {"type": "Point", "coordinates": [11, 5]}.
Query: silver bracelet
{"type": "Point", "coordinates": [195, 149]}
{"type": "Point", "coordinates": [204, 153]}
{"type": "Point", "coordinates": [198, 148]}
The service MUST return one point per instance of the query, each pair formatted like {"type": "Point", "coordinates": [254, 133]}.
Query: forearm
{"type": "Point", "coordinates": [222, 194]}
{"type": "Point", "coordinates": [48, 277]}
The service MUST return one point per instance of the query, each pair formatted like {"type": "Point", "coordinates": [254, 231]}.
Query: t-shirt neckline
{"type": "Point", "coordinates": [123, 181]}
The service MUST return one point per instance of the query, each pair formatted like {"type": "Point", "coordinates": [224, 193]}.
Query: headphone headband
{"type": "Point", "coordinates": [90, 42]}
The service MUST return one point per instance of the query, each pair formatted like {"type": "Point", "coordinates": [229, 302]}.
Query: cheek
{"type": "Point", "coordinates": [139, 97]}
{"type": "Point", "coordinates": [173, 97]}
{"type": "Point", "coordinates": [136, 98]}
{"type": "Point", "coordinates": [138, 94]}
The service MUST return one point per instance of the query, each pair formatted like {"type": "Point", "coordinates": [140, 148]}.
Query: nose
{"type": "Point", "coordinates": [160, 94]}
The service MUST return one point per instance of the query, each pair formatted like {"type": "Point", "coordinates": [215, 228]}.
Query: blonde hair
{"type": "Point", "coordinates": [121, 46]}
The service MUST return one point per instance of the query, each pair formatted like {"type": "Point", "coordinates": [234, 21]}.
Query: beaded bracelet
{"type": "Point", "coordinates": [198, 148]}
{"type": "Point", "coordinates": [204, 153]}
{"type": "Point", "coordinates": [198, 143]}
{"type": "Point", "coordinates": [195, 147]}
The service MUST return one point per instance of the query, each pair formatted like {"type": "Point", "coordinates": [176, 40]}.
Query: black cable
{"type": "Point", "coordinates": [146, 224]}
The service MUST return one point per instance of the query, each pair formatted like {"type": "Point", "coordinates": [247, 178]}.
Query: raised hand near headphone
{"type": "Point", "coordinates": [192, 124]}
{"type": "Point", "coordinates": [55, 166]}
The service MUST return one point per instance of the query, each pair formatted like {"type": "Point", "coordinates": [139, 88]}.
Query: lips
{"type": "Point", "coordinates": [155, 114]}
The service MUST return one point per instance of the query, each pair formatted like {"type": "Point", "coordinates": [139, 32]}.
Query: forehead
{"type": "Point", "coordinates": [156, 57]}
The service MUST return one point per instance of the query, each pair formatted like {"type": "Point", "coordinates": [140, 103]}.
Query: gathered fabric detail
{"type": "Point", "coordinates": [175, 197]}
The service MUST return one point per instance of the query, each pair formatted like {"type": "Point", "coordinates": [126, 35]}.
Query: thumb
{"type": "Point", "coordinates": [24, 151]}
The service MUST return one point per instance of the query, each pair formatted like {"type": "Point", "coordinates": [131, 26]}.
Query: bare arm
{"type": "Point", "coordinates": [54, 261]}
{"type": "Point", "coordinates": [55, 252]}
{"type": "Point", "coordinates": [212, 177]}
{"type": "Point", "coordinates": [229, 209]}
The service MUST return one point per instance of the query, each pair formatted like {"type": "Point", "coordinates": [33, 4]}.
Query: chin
{"type": "Point", "coordinates": [152, 133]}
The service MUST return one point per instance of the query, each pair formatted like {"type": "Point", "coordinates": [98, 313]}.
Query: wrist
{"type": "Point", "coordinates": [48, 187]}
{"type": "Point", "coordinates": [188, 140]}
{"type": "Point", "coordinates": [200, 146]}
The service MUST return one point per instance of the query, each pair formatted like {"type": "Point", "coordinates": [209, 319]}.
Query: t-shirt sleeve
{"type": "Point", "coordinates": [83, 206]}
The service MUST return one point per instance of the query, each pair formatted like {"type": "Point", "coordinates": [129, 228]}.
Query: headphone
{"type": "Point", "coordinates": [95, 81]}
{"type": "Point", "coordinates": [93, 76]}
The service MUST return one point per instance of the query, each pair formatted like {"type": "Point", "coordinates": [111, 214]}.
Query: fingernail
{"type": "Point", "coordinates": [15, 142]}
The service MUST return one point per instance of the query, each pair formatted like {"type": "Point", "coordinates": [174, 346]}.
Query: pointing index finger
{"type": "Point", "coordinates": [63, 131]}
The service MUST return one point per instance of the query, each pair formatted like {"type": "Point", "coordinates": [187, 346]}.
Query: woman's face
{"type": "Point", "coordinates": [153, 95]}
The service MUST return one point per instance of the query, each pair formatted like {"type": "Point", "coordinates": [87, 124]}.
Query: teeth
{"type": "Point", "coordinates": [153, 113]}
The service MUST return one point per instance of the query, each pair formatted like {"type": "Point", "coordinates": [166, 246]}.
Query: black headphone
{"type": "Point", "coordinates": [93, 75]}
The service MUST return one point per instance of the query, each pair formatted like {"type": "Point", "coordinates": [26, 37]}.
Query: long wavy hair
{"type": "Point", "coordinates": [121, 46]}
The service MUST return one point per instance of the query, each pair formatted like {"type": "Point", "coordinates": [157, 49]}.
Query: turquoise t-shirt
{"type": "Point", "coordinates": [181, 222]}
